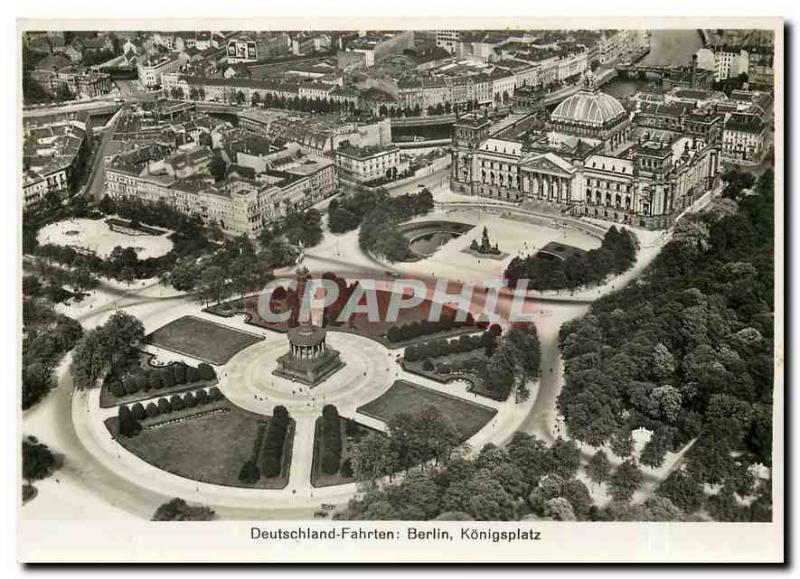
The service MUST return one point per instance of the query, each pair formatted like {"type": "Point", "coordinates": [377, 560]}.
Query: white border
{"type": "Point", "coordinates": [739, 542]}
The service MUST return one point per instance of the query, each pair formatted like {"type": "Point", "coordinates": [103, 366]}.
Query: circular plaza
{"type": "Point", "coordinates": [101, 236]}
{"type": "Point", "coordinates": [248, 380]}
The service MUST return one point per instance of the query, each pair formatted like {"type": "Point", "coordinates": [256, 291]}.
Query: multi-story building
{"type": "Point", "coordinates": [228, 90]}
{"type": "Point", "coordinates": [587, 163]}
{"type": "Point", "coordinates": [151, 69]}
{"type": "Point", "coordinates": [317, 134]}
{"type": "Point", "coordinates": [51, 154]}
{"type": "Point", "coordinates": [257, 47]}
{"type": "Point", "coordinates": [744, 138]}
{"type": "Point", "coordinates": [316, 90]}
{"type": "Point", "coordinates": [373, 47]}
{"type": "Point", "coordinates": [614, 44]}
{"type": "Point", "coordinates": [310, 43]}
{"type": "Point", "coordinates": [725, 62]}
{"type": "Point", "coordinates": [365, 164]}
{"type": "Point", "coordinates": [55, 71]}
{"type": "Point", "coordinates": [448, 39]}
{"type": "Point", "coordinates": [244, 202]}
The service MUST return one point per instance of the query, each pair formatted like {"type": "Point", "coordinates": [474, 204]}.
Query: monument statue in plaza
{"type": "Point", "coordinates": [309, 359]}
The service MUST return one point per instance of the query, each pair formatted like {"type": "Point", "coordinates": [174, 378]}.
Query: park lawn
{"type": "Point", "coordinates": [321, 479]}
{"type": "Point", "coordinates": [201, 339]}
{"type": "Point", "coordinates": [465, 417]}
{"type": "Point", "coordinates": [210, 448]}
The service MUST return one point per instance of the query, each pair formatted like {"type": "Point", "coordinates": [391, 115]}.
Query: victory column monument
{"type": "Point", "coordinates": [309, 360]}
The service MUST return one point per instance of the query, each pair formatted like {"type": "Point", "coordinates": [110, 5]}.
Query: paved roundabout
{"type": "Point", "coordinates": [370, 368]}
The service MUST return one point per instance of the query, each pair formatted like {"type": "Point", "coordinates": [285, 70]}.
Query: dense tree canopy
{"type": "Point", "coordinates": [112, 345]}
{"type": "Point", "coordinates": [499, 484]}
{"type": "Point", "coordinates": [38, 461]}
{"type": "Point", "coordinates": [616, 254]}
{"type": "Point", "coordinates": [378, 215]}
{"type": "Point", "coordinates": [686, 352]}
{"type": "Point", "coordinates": [47, 337]}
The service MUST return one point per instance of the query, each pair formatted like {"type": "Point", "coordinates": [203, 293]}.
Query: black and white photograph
{"type": "Point", "coordinates": [475, 293]}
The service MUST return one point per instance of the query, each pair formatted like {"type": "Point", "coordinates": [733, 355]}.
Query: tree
{"type": "Point", "coordinates": [37, 379]}
{"type": "Point", "coordinates": [665, 403]}
{"type": "Point", "coordinates": [176, 402]}
{"type": "Point", "coordinates": [178, 510]}
{"type": "Point", "coordinates": [249, 473]}
{"type": "Point", "coordinates": [685, 492]}
{"type": "Point", "coordinates": [217, 167]}
{"type": "Point", "coordinates": [184, 276]}
{"type": "Point", "coordinates": [656, 448]}
{"type": "Point", "coordinates": [206, 371]}
{"type": "Point", "coordinates": [201, 397]}
{"type": "Point", "coordinates": [380, 511]}
{"type": "Point", "coordinates": [598, 467]}
{"type": "Point", "coordinates": [121, 334]}
{"type": "Point", "coordinates": [488, 500]}
{"type": "Point", "coordinates": [38, 461]}
{"type": "Point", "coordinates": [117, 389]}
{"type": "Point", "coordinates": [454, 516]}
{"type": "Point", "coordinates": [127, 425]}
{"type": "Point", "coordinates": [189, 400]}
{"type": "Point", "coordinates": [625, 481]}
{"type": "Point", "coordinates": [331, 440]}
{"type": "Point", "coordinates": [559, 509]}
{"type": "Point", "coordinates": [63, 93]}
{"type": "Point", "coordinates": [138, 411]}
{"type": "Point", "coordinates": [622, 442]}
{"type": "Point", "coordinates": [736, 181]}
{"type": "Point", "coordinates": [416, 498]}
{"type": "Point", "coordinates": [373, 457]}
{"type": "Point", "coordinates": [89, 360]}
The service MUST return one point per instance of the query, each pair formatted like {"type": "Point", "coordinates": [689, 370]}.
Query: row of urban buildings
{"type": "Point", "coordinates": [243, 178]}
{"type": "Point", "coordinates": [53, 150]}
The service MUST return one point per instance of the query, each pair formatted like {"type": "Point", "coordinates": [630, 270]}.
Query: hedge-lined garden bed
{"type": "Point", "coordinates": [207, 443]}
{"type": "Point", "coordinates": [149, 381]}
{"type": "Point", "coordinates": [349, 433]}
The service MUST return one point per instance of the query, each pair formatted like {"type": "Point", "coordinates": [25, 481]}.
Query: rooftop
{"type": "Point", "coordinates": [365, 152]}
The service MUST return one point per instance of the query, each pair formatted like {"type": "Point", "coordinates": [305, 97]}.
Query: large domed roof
{"type": "Point", "coordinates": [588, 107]}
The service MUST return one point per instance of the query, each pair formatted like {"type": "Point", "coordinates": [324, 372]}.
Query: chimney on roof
{"type": "Point", "coordinates": [694, 70]}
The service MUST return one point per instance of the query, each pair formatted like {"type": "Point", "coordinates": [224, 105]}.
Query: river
{"type": "Point", "coordinates": [667, 47]}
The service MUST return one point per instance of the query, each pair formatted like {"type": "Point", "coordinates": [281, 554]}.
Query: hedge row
{"type": "Point", "coordinates": [425, 327]}
{"type": "Point", "coordinates": [331, 432]}
{"type": "Point", "coordinates": [442, 347]}
{"type": "Point", "coordinates": [470, 366]}
{"type": "Point", "coordinates": [129, 417]}
{"type": "Point", "coordinates": [156, 379]}
{"type": "Point", "coordinates": [271, 458]}
{"type": "Point", "coordinates": [250, 473]}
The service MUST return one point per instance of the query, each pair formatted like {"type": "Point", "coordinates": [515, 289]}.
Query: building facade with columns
{"type": "Point", "coordinates": [589, 163]}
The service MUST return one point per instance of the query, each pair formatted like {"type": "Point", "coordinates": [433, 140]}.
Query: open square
{"type": "Point", "coordinates": [101, 237]}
